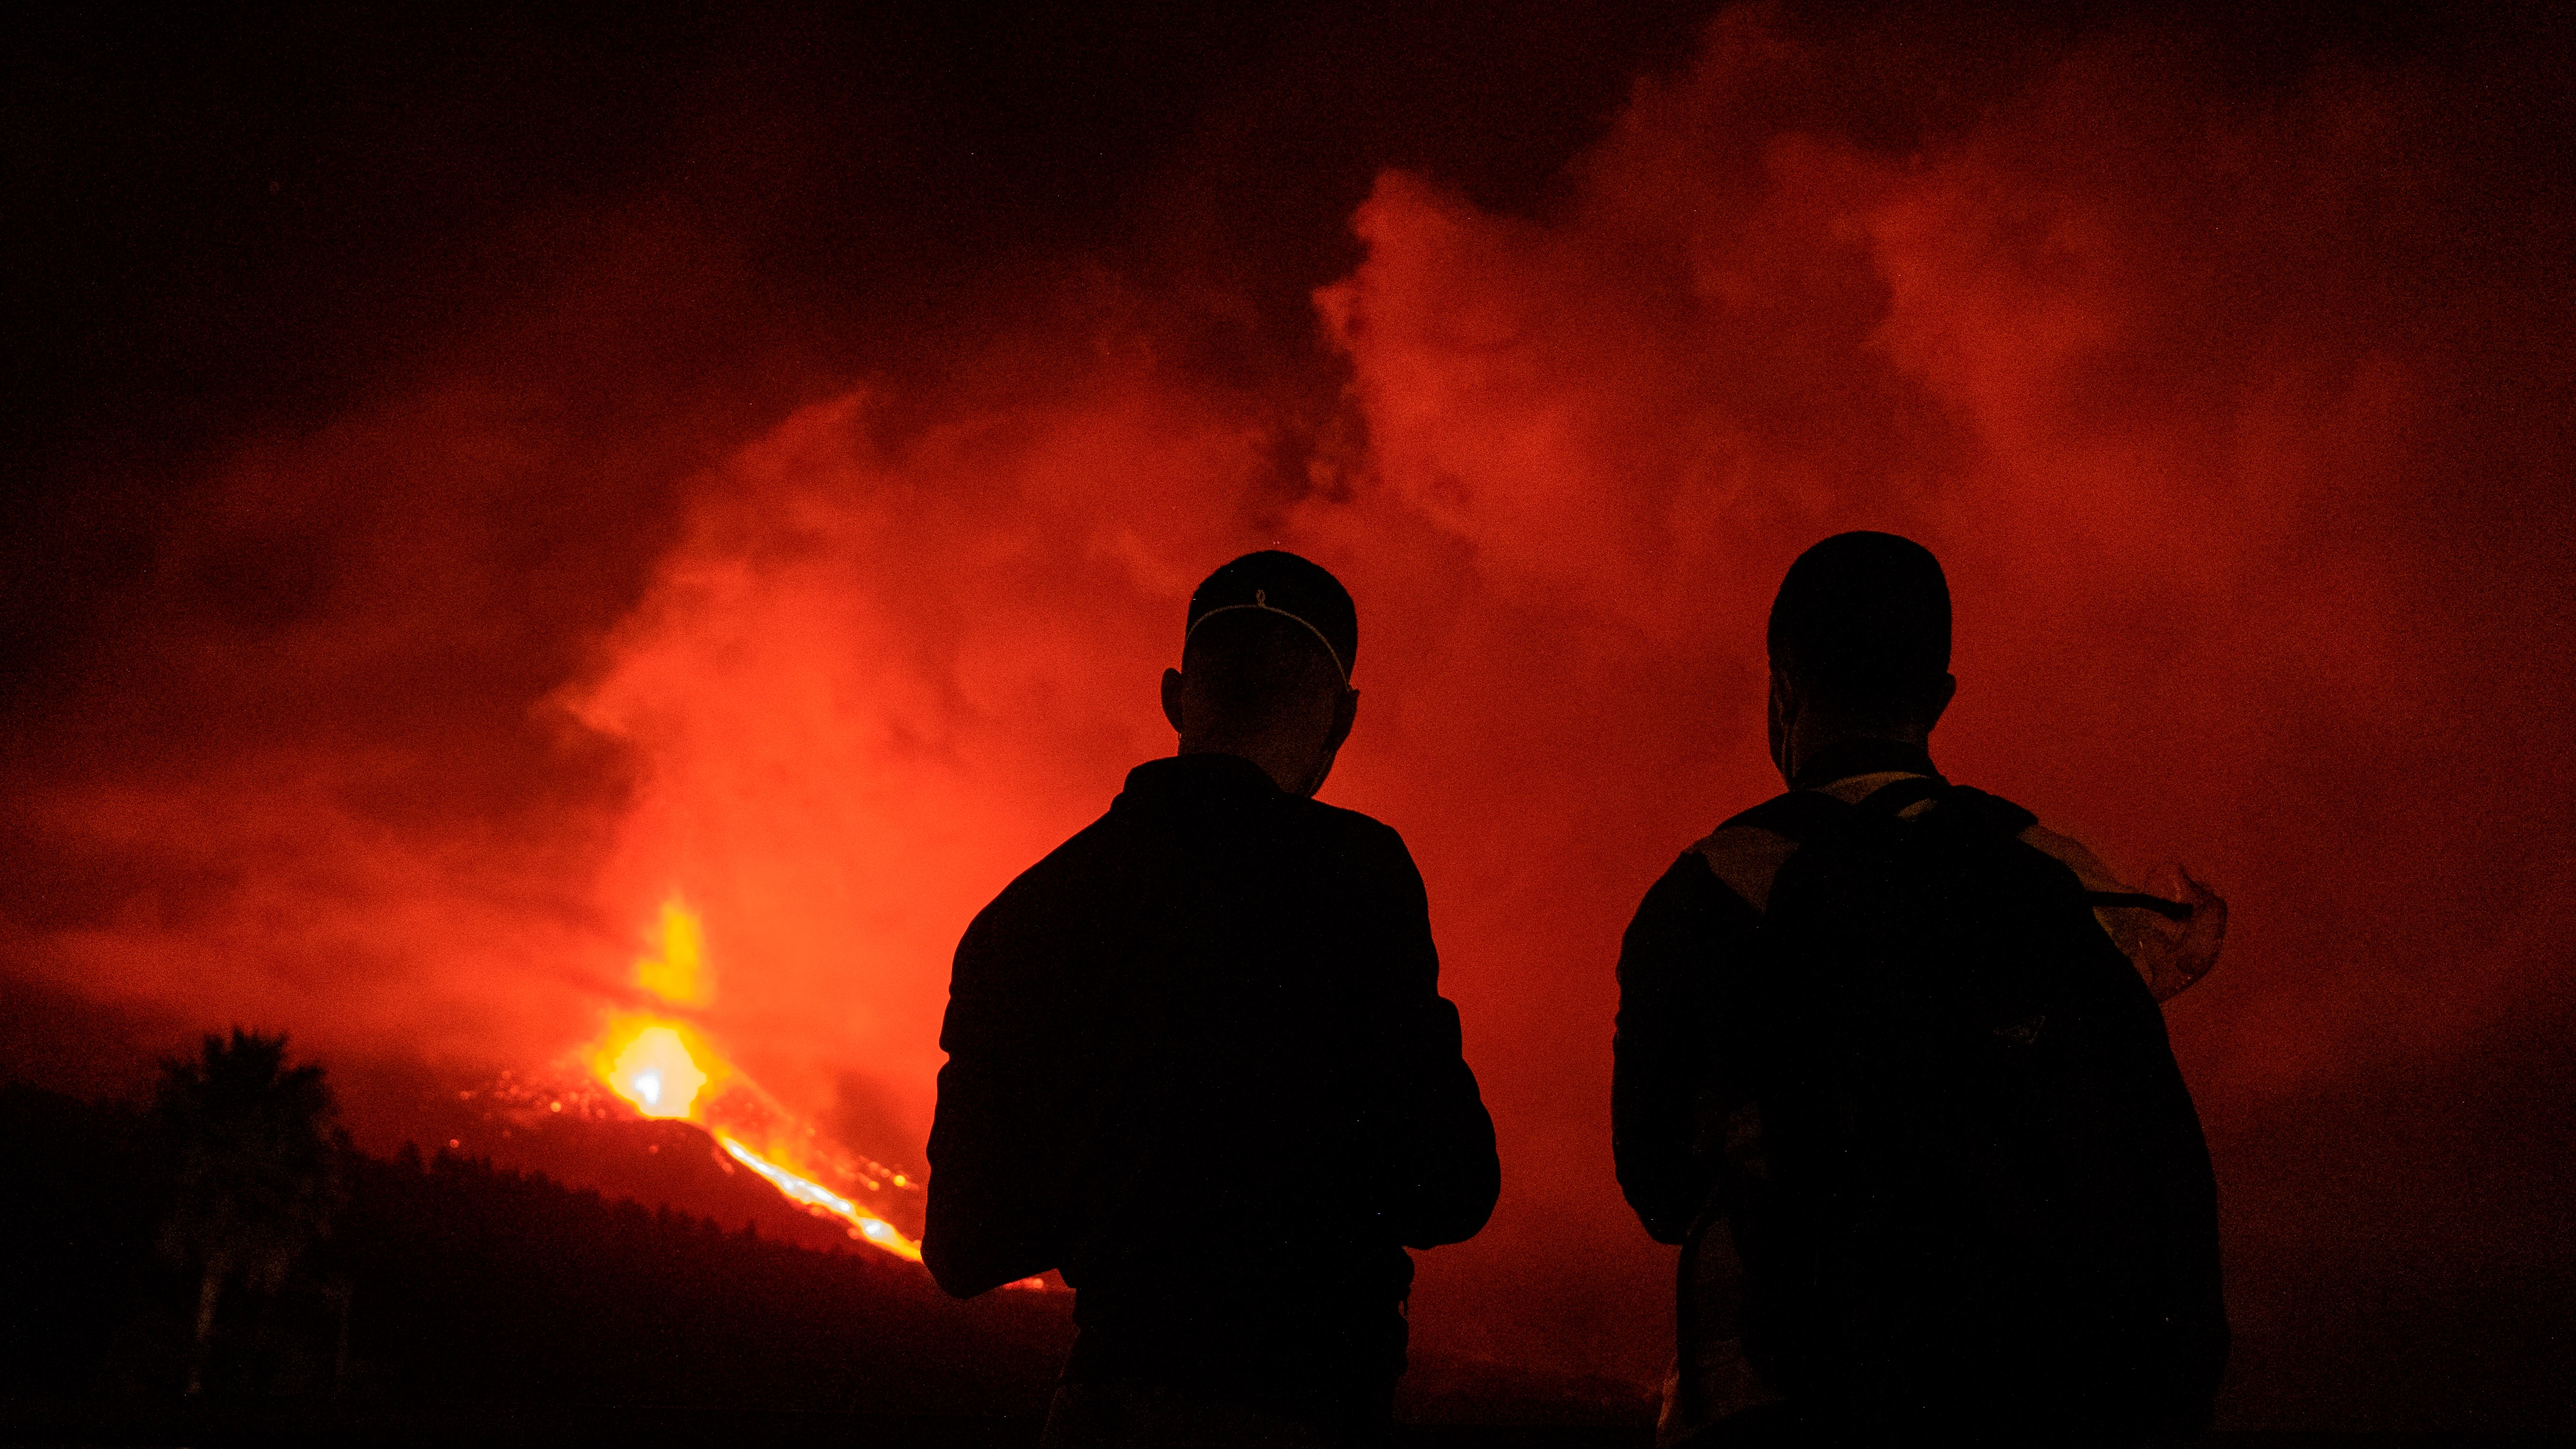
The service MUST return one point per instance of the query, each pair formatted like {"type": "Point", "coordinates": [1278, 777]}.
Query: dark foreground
{"type": "Point", "coordinates": [648, 1428]}
{"type": "Point", "coordinates": [459, 1304]}
{"type": "Point", "coordinates": [456, 1302]}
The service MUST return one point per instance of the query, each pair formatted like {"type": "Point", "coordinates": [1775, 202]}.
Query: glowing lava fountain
{"type": "Point", "coordinates": [667, 1069]}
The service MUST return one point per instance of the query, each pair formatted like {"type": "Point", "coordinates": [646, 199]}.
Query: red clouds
{"type": "Point", "coordinates": [2178, 379]}
{"type": "Point", "coordinates": [2233, 402]}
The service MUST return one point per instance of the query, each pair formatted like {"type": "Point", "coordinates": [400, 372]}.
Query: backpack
{"type": "Point", "coordinates": [1984, 1196]}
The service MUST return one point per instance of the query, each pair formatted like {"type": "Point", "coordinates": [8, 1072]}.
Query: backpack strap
{"type": "Point", "coordinates": [1799, 815]}
{"type": "Point", "coordinates": [1898, 796]}
{"type": "Point", "coordinates": [2006, 817]}
{"type": "Point", "coordinates": [2011, 819]}
{"type": "Point", "coordinates": [2170, 910]}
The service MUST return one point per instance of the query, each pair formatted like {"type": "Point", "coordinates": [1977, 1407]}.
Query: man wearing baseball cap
{"type": "Point", "coordinates": [1198, 1061]}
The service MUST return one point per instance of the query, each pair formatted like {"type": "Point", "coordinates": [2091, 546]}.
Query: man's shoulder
{"type": "Point", "coordinates": [1071, 870]}
{"type": "Point", "coordinates": [1745, 859]}
{"type": "Point", "coordinates": [1112, 844]}
{"type": "Point", "coordinates": [1355, 846]}
{"type": "Point", "coordinates": [1745, 852]}
{"type": "Point", "coordinates": [2067, 851]}
{"type": "Point", "coordinates": [1337, 823]}
{"type": "Point", "coordinates": [1748, 850]}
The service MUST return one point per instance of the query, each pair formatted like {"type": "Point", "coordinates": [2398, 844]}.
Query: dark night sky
{"type": "Point", "coordinates": [429, 424]}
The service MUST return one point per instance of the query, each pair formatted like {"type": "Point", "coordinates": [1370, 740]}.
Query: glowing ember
{"type": "Point", "coordinates": [822, 1201]}
{"type": "Point", "coordinates": [656, 1072]}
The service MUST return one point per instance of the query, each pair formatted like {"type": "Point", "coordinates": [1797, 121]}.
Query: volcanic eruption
{"type": "Point", "coordinates": [755, 512]}
{"type": "Point", "coordinates": [668, 1069]}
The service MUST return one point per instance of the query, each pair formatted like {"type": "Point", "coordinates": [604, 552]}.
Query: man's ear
{"type": "Point", "coordinates": [1942, 694]}
{"type": "Point", "coordinates": [1172, 698]}
{"type": "Point", "coordinates": [1346, 708]}
{"type": "Point", "coordinates": [1781, 711]}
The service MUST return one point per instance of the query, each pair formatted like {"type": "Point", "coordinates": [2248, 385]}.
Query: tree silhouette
{"type": "Point", "coordinates": [252, 1148]}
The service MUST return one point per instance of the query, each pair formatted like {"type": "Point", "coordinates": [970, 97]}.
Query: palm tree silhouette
{"type": "Point", "coordinates": [253, 1151]}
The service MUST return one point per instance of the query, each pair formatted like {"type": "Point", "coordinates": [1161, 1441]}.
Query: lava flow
{"type": "Point", "coordinates": [822, 1201]}
{"type": "Point", "coordinates": [667, 1069]}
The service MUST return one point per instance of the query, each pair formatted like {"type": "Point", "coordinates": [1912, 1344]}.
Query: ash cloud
{"type": "Point", "coordinates": [2200, 390]}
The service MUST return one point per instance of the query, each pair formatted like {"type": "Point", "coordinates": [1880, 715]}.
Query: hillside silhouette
{"type": "Point", "coordinates": [445, 1279]}
{"type": "Point", "coordinates": [455, 1298]}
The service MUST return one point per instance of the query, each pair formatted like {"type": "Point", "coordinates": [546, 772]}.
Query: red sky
{"type": "Point", "coordinates": [2226, 370]}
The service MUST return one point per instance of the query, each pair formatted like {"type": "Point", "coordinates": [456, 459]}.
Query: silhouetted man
{"type": "Point", "coordinates": [1890, 1067]}
{"type": "Point", "coordinates": [1198, 1060]}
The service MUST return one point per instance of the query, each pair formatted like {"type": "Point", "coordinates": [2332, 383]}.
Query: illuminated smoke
{"type": "Point", "coordinates": [2235, 411]}
{"type": "Point", "coordinates": [669, 1070]}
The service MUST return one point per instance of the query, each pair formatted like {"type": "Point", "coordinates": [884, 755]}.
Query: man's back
{"type": "Point", "coordinates": [1961, 1182]}
{"type": "Point", "coordinates": [1889, 1067]}
{"type": "Point", "coordinates": [1199, 1062]}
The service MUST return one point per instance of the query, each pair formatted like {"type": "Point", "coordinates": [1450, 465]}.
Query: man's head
{"type": "Point", "coordinates": [1860, 646]}
{"type": "Point", "coordinates": [1265, 668]}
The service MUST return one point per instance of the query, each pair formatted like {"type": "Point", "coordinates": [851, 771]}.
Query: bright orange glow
{"type": "Point", "coordinates": [656, 1071]}
{"type": "Point", "coordinates": [704, 580]}
{"type": "Point", "coordinates": [823, 1202]}
{"type": "Point", "coordinates": [679, 974]}
{"type": "Point", "coordinates": [668, 1070]}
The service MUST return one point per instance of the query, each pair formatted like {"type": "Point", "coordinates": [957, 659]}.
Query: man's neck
{"type": "Point", "coordinates": [1843, 755]}
{"type": "Point", "coordinates": [1289, 764]}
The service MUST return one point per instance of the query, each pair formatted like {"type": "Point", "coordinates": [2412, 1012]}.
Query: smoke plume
{"type": "Point", "coordinates": [2232, 397]}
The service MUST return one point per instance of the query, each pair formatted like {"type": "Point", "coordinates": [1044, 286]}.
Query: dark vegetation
{"type": "Point", "coordinates": [353, 1299]}
{"type": "Point", "coordinates": [223, 1266]}
{"type": "Point", "coordinates": [354, 1280]}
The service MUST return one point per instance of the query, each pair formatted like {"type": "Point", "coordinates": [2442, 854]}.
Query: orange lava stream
{"type": "Point", "coordinates": [822, 1201]}
{"type": "Point", "coordinates": [666, 1069]}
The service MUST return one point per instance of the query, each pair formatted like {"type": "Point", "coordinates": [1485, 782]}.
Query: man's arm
{"type": "Point", "coordinates": [1664, 1047]}
{"type": "Point", "coordinates": [1002, 1142]}
{"type": "Point", "coordinates": [1438, 1169]}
